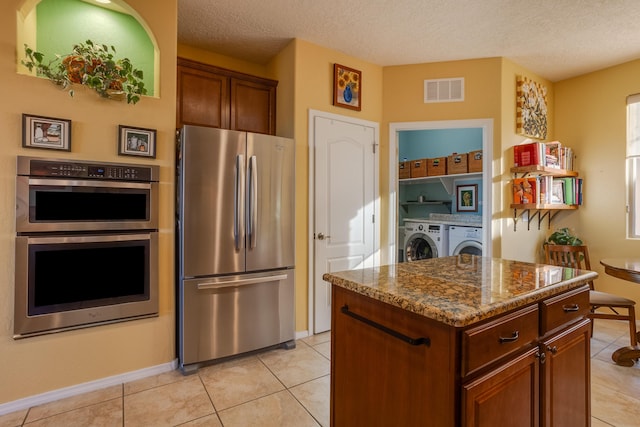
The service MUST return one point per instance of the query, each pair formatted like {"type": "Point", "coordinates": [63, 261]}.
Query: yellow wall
{"type": "Point", "coordinates": [404, 102]}
{"type": "Point", "coordinates": [39, 364]}
{"type": "Point", "coordinates": [314, 90]}
{"type": "Point", "coordinates": [591, 117]}
{"type": "Point", "coordinates": [523, 244]}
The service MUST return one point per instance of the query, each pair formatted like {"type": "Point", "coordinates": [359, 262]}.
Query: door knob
{"type": "Point", "coordinates": [322, 236]}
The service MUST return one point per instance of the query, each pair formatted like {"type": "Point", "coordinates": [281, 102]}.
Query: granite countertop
{"type": "Point", "coordinates": [461, 290]}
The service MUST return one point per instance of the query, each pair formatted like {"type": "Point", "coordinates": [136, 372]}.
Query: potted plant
{"type": "Point", "coordinates": [93, 65]}
{"type": "Point", "coordinates": [563, 237]}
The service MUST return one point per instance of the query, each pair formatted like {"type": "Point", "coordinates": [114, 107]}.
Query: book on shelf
{"type": "Point", "coordinates": [528, 154]}
{"type": "Point", "coordinates": [547, 154]}
{"type": "Point", "coordinates": [525, 191]}
{"type": "Point", "coordinates": [552, 154]}
{"type": "Point", "coordinates": [557, 192]}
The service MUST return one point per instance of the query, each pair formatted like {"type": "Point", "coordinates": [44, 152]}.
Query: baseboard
{"type": "Point", "coordinates": [301, 334]}
{"type": "Point", "coordinates": [62, 393]}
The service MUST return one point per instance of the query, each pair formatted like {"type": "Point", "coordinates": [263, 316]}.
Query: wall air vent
{"type": "Point", "coordinates": [444, 90]}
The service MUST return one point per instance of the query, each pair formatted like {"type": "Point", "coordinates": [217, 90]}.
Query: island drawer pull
{"type": "Point", "coordinates": [568, 308]}
{"type": "Point", "coordinates": [514, 337]}
{"type": "Point", "coordinates": [396, 334]}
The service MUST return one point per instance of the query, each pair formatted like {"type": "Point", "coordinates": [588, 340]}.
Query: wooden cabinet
{"type": "Point", "coordinates": [216, 97]}
{"type": "Point", "coordinates": [380, 379]}
{"type": "Point", "coordinates": [529, 367]}
{"type": "Point", "coordinates": [566, 378]}
{"type": "Point", "coordinates": [507, 397]}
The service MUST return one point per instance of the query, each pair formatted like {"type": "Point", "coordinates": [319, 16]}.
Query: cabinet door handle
{"type": "Point", "coordinates": [514, 337]}
{"type": "Point", "coordinates": [413, 341]}
{"type": "Point", "coordinates": [568, 308]}
{"type": "Point", "coordinates": [542, 357]}
{"type": "Point", "coordinates": [553, 349]}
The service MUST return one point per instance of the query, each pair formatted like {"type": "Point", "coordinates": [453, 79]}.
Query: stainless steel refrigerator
{"type": "Point", "coordinates": [235, 239]}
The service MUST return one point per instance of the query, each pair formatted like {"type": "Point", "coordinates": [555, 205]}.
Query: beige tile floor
{"type": "Point", "coordinates": [289, 388]}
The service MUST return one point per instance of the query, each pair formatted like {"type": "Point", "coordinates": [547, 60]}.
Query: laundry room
{"type": "Point", "coordinates": [439, 189]}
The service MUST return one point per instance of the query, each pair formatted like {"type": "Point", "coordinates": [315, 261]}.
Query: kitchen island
{"type": "Point", "coordinates": [460, 341]}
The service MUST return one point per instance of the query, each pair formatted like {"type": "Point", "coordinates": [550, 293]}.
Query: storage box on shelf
{"type": "Point", "coordinates": [437, 166]}
{"type": "Point", "coordinates": [404, 170]}
{"type": "Point", "coordinates": [457, 163]}
{"type": "Point", "coordinates": [418, 168]}
{"type": "Point", "coordinates": [534, 198]}
{"type": "Point", "coordinates": [475, 161]}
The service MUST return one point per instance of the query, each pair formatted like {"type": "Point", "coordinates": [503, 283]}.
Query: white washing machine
{"type": "Point", "coordinates": [424, 239]}
{"type": "Point", "coordinates": [465, 240]}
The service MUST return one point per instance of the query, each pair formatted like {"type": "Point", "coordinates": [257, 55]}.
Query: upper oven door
{"type": "Point", "coordinates": [46, 205]}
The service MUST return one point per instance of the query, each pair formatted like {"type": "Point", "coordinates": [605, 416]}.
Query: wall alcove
{"type": "Point", "coordinates": [52, 27]}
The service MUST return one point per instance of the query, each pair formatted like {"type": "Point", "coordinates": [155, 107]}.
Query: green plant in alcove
{"type": "Point", "coordinates": [93, 65]}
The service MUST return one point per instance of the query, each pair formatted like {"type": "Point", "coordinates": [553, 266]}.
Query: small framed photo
{"type": "Point", "coordinates": [347, 87]}
{"type": "Point", "coordinates": [467, 198]}
{"type": "Point", "coordinates": [134, 141]}
{"type": "Point", "coordinates": [46, 132]}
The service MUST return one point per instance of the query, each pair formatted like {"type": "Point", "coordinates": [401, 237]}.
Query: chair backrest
{"type": "Point", "coordinates": [568, 256]}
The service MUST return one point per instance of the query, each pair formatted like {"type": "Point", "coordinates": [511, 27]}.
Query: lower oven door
{"type": "Point", "coordinates": [75, 281]}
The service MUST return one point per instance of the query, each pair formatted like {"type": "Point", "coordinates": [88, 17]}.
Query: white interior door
{"type": "Point", "coordinates": [344, 205]}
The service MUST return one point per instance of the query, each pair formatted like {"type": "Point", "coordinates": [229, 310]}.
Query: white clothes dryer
{"type": "Point", "coordinates": [465, 240]}
{"type": "Point", "coordinates": [424, 239]}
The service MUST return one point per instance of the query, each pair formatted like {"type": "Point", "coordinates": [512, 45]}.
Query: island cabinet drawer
{"type": "Point", "coordinates": [563, 309]}
{"type": "Point", "coordinates": [494, 340]}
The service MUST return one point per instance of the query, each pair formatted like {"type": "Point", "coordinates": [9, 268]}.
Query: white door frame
{"type": "Point", "coordinates": [487, 156]}
{"type": "Point", "coordinates": [311, 220]}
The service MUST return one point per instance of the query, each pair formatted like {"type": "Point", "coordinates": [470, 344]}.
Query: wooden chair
{"type": "Point", "coordinates": [578, 257]}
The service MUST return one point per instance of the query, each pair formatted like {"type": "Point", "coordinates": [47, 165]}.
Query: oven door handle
{"type": "Point", "coordinates": [232, 283]}
{"type": "Point", "coordinates": [83, 183]}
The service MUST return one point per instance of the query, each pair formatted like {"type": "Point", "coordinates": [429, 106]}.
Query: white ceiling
{"type": "Point", "coordinates": [555, 39]}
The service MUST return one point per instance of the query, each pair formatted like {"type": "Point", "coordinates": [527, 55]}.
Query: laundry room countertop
{"type": "Point", "coordinates": [460, 290]}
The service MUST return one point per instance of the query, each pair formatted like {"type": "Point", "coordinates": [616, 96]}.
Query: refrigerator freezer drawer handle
{"type": "Point", "coordinates": [241, 282]}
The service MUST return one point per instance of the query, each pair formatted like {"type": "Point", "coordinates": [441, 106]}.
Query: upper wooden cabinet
{"type": "Point", "coordinates": [216, 97]}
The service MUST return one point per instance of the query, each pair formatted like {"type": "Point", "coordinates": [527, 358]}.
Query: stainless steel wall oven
{"type": "Point", "coordinates": [86, 244]}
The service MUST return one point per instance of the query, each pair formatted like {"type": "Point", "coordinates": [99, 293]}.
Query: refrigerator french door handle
{"type": "Point", "coordinates": [253, 197]}
{"type": "Point", "coordinates": [241, 282]}
{"type": "Point", "coordinates": [238, 213]}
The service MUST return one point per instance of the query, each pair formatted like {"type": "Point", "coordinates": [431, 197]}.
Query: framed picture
{"type": "Point", "coordinates": [347, 87]}
{"type": "Point", "coordinates": [134, 141]}
{"type": "Point", "coordinates": [46, 132]}
{"type": "Point", "coordinates": [467, 198]}
{"type": "Point", "coordinates": [531, 108]}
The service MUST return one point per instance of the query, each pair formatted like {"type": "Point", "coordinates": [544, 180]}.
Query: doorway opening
{"type": "Point", "coordinates": [485, 129]}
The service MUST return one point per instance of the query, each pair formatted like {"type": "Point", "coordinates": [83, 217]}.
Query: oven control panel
{"type": "Point", "coordinates": [78, 169]}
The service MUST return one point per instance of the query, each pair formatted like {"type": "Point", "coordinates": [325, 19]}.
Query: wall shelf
{"type": "Point", "coordinates": [534, 210]}
{"type": "Point", "coordinates": [538, 210]}
{"type": "Point", "coordinates": [541, 170]}
{"type": "Point", "coordinates": [405, 205]}
{"type": "Point", "coordinates": [445, 180]}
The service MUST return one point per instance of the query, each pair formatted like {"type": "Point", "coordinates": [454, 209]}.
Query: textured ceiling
{"type": "Point", "coordinates": [555, 39]}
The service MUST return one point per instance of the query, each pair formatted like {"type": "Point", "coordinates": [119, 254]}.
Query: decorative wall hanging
{"type": "Point", "coordinates": [93, 65]}
{"type": "Point", "coordinates": [531, 108]}
{"type": "Point", "coordinates": [347, 87]}
{"type": "Point", "coordinates": [136, 141]}
{"type": "Point", "coordinates": [46, 132]}
{"type": "Point", "coordinates": [467, 198]}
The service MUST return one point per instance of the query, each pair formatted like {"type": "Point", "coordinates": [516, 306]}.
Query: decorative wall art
{"type": "Point", "coordinates": [531, 108]}
{"type": "Point", "coordinates": [46, 132]}
{"type": "Point", "coordinates": [136, 141]}
{"type": "Point", "coordinates": [467, 198]}
{"type": "Point", "coordinates": [347, 87]}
